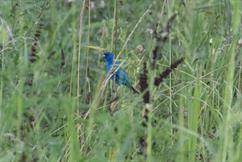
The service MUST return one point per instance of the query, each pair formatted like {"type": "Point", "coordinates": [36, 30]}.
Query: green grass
{"type": "Point", "coordinates": [58, 108]}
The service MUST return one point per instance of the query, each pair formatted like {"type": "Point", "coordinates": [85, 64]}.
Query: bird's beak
{"type": "Point", "coordinates": [102, 59]}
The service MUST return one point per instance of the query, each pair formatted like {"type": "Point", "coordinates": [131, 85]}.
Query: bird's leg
{"type": "Point", "coordinates": [113, 106]}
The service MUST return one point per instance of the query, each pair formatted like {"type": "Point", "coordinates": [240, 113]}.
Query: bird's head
{"type": "Point", "coordinates": [108, 57]}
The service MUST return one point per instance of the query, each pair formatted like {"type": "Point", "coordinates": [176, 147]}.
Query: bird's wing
{"type": "Point", "coordinates": [122, 77]}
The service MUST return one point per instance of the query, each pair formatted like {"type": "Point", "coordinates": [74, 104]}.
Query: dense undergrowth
{"type": "Point", "coordinates": [183, 56]}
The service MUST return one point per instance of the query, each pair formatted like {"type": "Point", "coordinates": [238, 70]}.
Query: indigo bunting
{"type": "Point", "coordinates": [118, 74]}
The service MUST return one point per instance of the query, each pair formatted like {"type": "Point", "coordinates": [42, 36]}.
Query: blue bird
{"type": "Point", "coordinates": [119, 75]}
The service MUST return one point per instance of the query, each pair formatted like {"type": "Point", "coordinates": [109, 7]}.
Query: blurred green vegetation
{"type": "Point", "coordinates": [56, 109]}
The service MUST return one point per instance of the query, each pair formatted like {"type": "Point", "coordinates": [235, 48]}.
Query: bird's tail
{"type": "Point", "coordinates": [134, 90]}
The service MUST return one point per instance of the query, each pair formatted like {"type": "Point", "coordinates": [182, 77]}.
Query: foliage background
{"type": "Point", "coordinates": [52, 105]}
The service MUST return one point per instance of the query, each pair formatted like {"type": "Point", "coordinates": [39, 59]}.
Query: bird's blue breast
{"type": "Point", "coordinates": [113, 71]}
{"type": "Point", "coordinates": [120, 76]}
